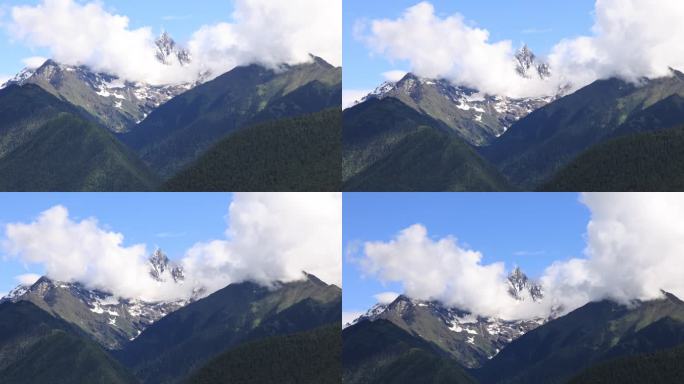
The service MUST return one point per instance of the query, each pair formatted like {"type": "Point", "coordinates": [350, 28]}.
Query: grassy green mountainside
{"type": "Point", "coordinates": [181, 130]}
{"type": "Point", "coordinates": [186, 339]}
{"type": "Point", "coordinates": [388, 146]}
{"type": "Point", "coordinates": [541, 144]}
{"type": "Point", "coordinates": [381, 352]}
{"type": "Point", "coordinates": [664, 367]}
{"type": "Point", "coordinates": [296, 154]}
{"type": "Point", "coordinates": [561, 348]}
{"type": "Point", "coordinates": [38, 348]}
{"type": "Point", "coordinates": [649, 161]}
{"type": "Point", "coordinates": [48, 145]}
{"type": "Point", "coordinates": [312, 357]}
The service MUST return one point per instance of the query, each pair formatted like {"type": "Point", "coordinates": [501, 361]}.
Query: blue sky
{"type": "Point", "coordinates": [179, 18]}
{"type": "Point", "coordinates": [530, 230]}
{"type": "Point", "coordinates": [172, 221]}
{"type": "Point", "coordinates": [539, 23]}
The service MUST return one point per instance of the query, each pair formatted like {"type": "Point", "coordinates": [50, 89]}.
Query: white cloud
{"type": "Point", "coordinates": [445, 271]}
{"type": "Point", "coordinates": [267, 32]}
{"type": "Point", "coordinates": [27, 279]}
{"type": "Point", "coordinates": [82, 251]}
{"type": "Point", "coordinates": [394, 76]}
{"type": "Point", "coordinates": [270, 237]}
{"type": "Point", "coordinates": [386, 297]}
{"type": "Point", "coordinates": [630, 39]}
{"type": "Point", "coordinates": [3, 294]}
{"type": "Point", "coordinates": [34, 62]}
{"type": "Point", "coordinates": [349, 316]}
{"type": "Point", "coordinates": [635, 249]}
{"type": "Point", "coordinates": [450, 48]}
{"type": "Point", "coordinates": [273, 236]}
{"type": "Point", "coordinates": [351, 96]}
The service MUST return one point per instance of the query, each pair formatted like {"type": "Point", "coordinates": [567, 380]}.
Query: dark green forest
{"type": "Point", "coordinates": [297, 154]}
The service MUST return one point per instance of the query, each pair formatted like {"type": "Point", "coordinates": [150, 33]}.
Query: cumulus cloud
{"type": "Point", "coordinates": [262, 31]}
{"type": "Point", "coordinates": [270, 237]}
{"type": "Point", "coordinates": [27, 279]}
{"type": "Point", "coordinates": [634, 250]}
{"type": "Point", "coordinates": [273, 237]}
{"type": "Point", "coordinates": [82, 251]}
{"type": "Point", "coordinates": [443, 270]}
{"type": "Point", "coordinates": [450, 48]}
{"type": "Point", "coordinates": [630, 39]}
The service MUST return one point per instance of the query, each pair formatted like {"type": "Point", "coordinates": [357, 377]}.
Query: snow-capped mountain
{"type": "Point", "coordinates": [168, 52]}
{"type": "Point", "coordinates": [478, 117]}
{"type": "Point", "coordinates": [522, 288]}
{"type": "Point", "coordinates": [471, 339]}
{"type": "Point", "coordinates": [118, 104]}
{"type": "Point", "coordinates": [528, 66]}
{"type": "Point", "coordinates": [111, 320]}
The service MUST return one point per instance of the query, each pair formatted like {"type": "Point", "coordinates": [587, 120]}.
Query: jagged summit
{"type": "Point", "coordinates": [528, 66]}
{"type": "Point", "coordinates": [161, 267]}
{"type": "Point", "coordinates": [521, 287]}
{"type": "Point", "coordinates": [169, 53]}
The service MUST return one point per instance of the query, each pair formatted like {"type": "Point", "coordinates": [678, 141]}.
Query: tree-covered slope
{"type": "Point", "coordinates": [649, 161]}
{"type": "Point", "coordinates": [182, 129]}
{"type": "Point", "coordinates": [663, 367]}
{"type": "Point", "coordinates": [380, 352]}
{"type": "Point", "coordinates": [295, 154]}
{"type": "Point", "coordinates": [312, 357]}
{"type": "Point", "coordinates": [561, 348]}
{"type": "Point", "coordinates": [38, 348]}
{"type": "Point", "coordinates": [388, 146]}
{"type": "Point", "coordinates": [187, 338]}
{"type": "Point", "coordinates": [541, 144]}
{"type": "Point", "coordinates": [47, 144]}
{"type": "Point", "coordinates": [70, 154]}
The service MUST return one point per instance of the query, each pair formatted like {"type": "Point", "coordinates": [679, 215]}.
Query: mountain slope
{"type": "Point", "coordinates": [184, 340]}
{"type": "Point", "coordinates": [49, 145]}
{"type": "Point", "coordinates": [38, 348]}
{"type": "Point", "coordinates": [664, 367]}
{"type": "Point", "coordinates": [110, 321]}
{"type": "Point", "coordinates": [310, 357]}
{"type": "Point", "coordinates": [536, 147]}
{"type": "Point", "coordinates": [561, 348]}
{"type": "Point", "coordinates": [115, 103]}
{"type": "Point", "coordinates": [469, 339]}
{"type": "Point", "coordinates": [181, 130]}
{"type": "Point", "coordinates": [297, 154]}
{"type": "Point", "coordinates": [649, 161]}
{"type": "Point", "coordinates": [477, 118]}
{"type": "Point", "coordinates": [389, 146]}
{"type": "Point", "coordinates": [380, 352]}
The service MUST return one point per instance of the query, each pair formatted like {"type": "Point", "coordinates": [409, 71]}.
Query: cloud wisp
{"type": "Point", "coordinates": [269, 238]}
{"type": "Point", "coordinates": [264, 32]}
{"type": "Point", "coordinates": [630, 39]}
{"type": "Point", "coordinates": [634, 251]}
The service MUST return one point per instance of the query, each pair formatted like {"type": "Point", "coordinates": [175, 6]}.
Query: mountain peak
{"type": "Point", "coordinates": [526, 64]}
{"type": "Point", "coordinates": [160, 263]}
{"type": "Point", "coordinates": [169, 53]}
{"type": "Point", "coordinates": [520, 286]}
